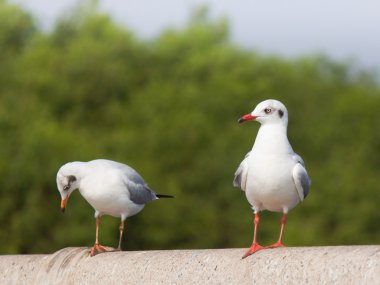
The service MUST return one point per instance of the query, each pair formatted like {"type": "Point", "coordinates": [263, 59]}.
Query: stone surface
{"type": "Point", "coordinates": [301, 265]}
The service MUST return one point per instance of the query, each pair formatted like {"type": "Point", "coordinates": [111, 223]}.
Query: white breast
{"type": "Point", "coordinates": [270, 183]}
{"type": "Point", "coordinates": [108, 196]}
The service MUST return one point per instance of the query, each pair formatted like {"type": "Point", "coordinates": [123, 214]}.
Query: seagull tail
{"type": "Point", "coordinates": [164, 196]}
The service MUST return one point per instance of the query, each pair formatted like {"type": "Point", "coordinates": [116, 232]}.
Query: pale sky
{"type": "Point", "coordinates": [342, 29]}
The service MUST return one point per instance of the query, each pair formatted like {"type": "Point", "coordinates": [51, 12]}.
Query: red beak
{"type": "Point", "coordinates": [63, 204]}
{"type": "Point", "coordinates": [246, 118]}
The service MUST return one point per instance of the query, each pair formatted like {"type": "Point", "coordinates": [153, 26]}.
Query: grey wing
{"type": "Point", "coordinates": [300, 178]}
{"type": "Point", "coordinates": [240, 179]}
{"type": "Point", "coordinates": [139, 192]}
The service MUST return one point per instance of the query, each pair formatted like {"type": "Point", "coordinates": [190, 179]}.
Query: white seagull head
{"type": "Point", "coordinates": [66, 183]}
{"type": "Point", "coordinates": [268, 112]}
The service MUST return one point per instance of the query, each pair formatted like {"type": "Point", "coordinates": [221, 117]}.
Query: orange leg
{"type": "Point", "coordinates": [97, 248]}
{"type": "Point", "coordinates": [279, 242]}
{"type": "Point", "coordinates": [121, 234]}
{"type": "Point", "coordinates": [255, 246]}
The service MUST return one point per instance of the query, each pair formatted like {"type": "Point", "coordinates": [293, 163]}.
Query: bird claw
{"type": "Point", "coordinates": [277, 244]}
{"type": "Point", "coordinates": [97, 248]}
{"type": "Point", "coordinates": [254, 247]}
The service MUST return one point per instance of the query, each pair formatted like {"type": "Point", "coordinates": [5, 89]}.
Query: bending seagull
{"type": "Point", "coordinates": [110, 187]}
{"type": "Point", "coordinates": [272, 175]}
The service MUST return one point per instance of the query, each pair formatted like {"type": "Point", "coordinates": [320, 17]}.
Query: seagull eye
{"type": "Point", "coordinates": [66, 187]}
{"type": "Point", "coordinates": [267, 110]}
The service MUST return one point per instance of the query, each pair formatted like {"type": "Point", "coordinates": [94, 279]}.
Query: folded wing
{"type": "Point", "coordinates": [139, 192]}
{"type": "Point", "coordinates": [240, 179]}
{"type": "Point", "coordinates": [300, 178]}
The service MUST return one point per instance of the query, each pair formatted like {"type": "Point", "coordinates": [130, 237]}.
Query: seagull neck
{"type": "Point", "coordinates": [272, 137]}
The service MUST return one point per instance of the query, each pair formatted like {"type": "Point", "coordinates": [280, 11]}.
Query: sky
{"type": "Point", "coordinates": [347, 30]}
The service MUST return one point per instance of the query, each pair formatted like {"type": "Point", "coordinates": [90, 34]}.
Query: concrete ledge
{"type": "Point", "coordinates": [301, 265]}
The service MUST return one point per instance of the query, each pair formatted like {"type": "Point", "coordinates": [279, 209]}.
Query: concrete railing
{"type": "Point", "coordinates": [301, 265]}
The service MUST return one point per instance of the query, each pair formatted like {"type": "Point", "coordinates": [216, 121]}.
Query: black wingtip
{"type": "Point", "coordinates": [164, 196]}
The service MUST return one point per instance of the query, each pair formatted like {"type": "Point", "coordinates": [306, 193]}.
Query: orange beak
{"type": "Point", "coordinates": [246, 118]}
{"type": "Point", "coordinates": [63, 204]}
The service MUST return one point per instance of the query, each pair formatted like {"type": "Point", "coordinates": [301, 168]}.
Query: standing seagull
{"type": "Point", "coordinates": [110, 187]}
{"type": "Point", "coordinates": [272, 175]}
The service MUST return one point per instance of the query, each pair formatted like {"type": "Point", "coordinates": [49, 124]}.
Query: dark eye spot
{"type": "Point", "coordinates": [267, 110]}
{"type": "Point", "coordinates": [280, 113]}
{"type": "Point", "coordinates": [71, 179]}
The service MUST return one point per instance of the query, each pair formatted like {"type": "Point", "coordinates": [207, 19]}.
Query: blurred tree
{"type": "Point", "coordinates": [168, 107]}
{"type": "Point", "coordinates": [16, 30]}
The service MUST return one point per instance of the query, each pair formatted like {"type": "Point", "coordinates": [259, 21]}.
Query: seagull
{"type": "Point", "coordinates": [272, 175]}
{"type": "Point", "coordinates": [110, 187]}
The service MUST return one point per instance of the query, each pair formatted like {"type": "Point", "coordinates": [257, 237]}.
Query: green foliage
{"type": "Point", "coordinates": [169, 108]}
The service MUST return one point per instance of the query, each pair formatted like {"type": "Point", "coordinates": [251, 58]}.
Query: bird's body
{"type": "Point", "coordinates": [106, 186]}
{"type": "Point", "coordinates": [110, 187]}
{"type": "Point", "coordinates": [272, 175]}
{"type": "Point", "coordinates": [269, 183]}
